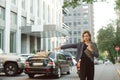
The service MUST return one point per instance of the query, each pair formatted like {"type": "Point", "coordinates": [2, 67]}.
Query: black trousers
{"type": "Point", "coordinates": [86, 70]}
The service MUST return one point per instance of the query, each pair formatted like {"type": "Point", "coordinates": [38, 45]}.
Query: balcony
{"type": "Point", "coordinates": [39, 30]}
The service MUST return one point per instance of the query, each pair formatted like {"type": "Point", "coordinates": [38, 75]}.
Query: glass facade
{"type": "Point", "coordinates": [2, 17]}
{"type": "Point", "coordinates": [23, 4]}
{"type": "Point", "coordinates": [13, 2]}
{"type": "Point", "coordinates": [12, 42]}
{"type": "Point", "coordinates": [13, 19]}
{"type": "Point", "coordinates": [31, 6]}
{"type": "Point", "coordinates": [1, 39]}
{"type": "Point", "coordinates": [23, 21]}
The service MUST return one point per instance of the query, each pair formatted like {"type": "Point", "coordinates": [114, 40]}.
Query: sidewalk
{"type": "Point", "coordinates": [117, 66]}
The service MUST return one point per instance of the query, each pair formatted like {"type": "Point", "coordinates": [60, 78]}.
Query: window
{"type": "Point", "coordinates": [13, 2]}
{"type": "Point", "coordinates": [70, 40]}
{"type": "Point", "coordinates": [23, 4]}
{"type": "Point", "coordinates": [74, 23]}
{"type": "Point", "coordinates": [85, 6]}
{"type": "Point", "coordinates": [31, 6]}
{"type": "Point", "coordinates": [2, 17]}
{"type": "Point", "coordinates": [85, 14]}
{"type": "Point", "coordinates": [79, 23]}
{"type": "Point", "coordinates": [70, 23]}
{"type": "Point", "coordinates": [79, 32]}
{"type": "Point", "coordinates": [31, 22]}
{"type": "Point", "coordinates": [2, 13]}
{"type": "Point", "coordinates": [13, 19]}
{"type": "Point", "coordinates": [75, 32]}
{"type": "Point", "coordinates": [48, 14]}
{"type": "Point", "coordinates": [12, 42]}
{"type": "Point", "coordinates": [38, 9]}
{"type": "Point", "coordinates": [61, 57]}
{"type": "Point", "coordinates": [69, 14]}
{"type": "Point", "coordinates": [74, 14]}
{"type": "Point", "coordinates": [1, 40]}
{"type": "Point", "coordinates": [23, 21]}
{"type": "Point", "coordinates": [70, 32]}
{"type": "Point", "coordinates": [85, 22]}
{"type": "Point", "coordinates": [75, 40]}
{"type": "Point", "coordinates": [78, 14]}
{"type": "Point", "coordinates": [43, 10]}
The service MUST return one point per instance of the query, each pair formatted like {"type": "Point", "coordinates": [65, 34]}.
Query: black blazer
{"type": "Point", "coordinates": [79, 47]}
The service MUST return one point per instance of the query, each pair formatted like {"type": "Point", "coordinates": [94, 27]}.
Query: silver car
{"type": "Point", "coordinates": [11, 64]}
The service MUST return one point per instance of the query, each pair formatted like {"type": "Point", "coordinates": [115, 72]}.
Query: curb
{"type": "Point", "coordinates": [118, 71]}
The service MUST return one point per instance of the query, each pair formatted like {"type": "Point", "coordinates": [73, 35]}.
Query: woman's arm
{"type": "Point", "coordinates": [67, 46]}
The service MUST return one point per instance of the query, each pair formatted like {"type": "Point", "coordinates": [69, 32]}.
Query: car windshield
{"type": "Point", "coordinates": [67, 54]}
{"type": "Point", "coordinates": [52, 55]}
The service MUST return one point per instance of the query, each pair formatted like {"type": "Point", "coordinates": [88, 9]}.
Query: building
{"type": "Point", "coordinates": [28, 25]}
{"type": "Point", "coordinates": [79, 19]}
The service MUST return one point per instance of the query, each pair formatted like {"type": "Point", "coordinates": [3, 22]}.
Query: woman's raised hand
{"type": "Point", "coordinates": [57, 48]}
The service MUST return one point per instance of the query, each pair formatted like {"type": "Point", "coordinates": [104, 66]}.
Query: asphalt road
{"type": "Point", "coordinates": [102, 72]}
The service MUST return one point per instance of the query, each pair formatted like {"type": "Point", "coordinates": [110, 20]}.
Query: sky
{"type": "Point", "coordinates": [103, 14]}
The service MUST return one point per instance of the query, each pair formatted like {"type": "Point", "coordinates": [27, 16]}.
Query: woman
{"type": "Point", "coordinates": [86, 51]}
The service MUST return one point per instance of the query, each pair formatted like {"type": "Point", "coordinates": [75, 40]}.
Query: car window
{"type": "Point", "coordinates": [52, 55]}
{"type": "Point", "coordinates": [61, 57]}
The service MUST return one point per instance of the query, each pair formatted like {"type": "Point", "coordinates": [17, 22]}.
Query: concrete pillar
{"type": "Point", "coordinates": [35, 43]}
{"type": "Point", "coordinates": [7, 28]}
{"type": "Point", "coordinates": [18, 37]}
{"type": "Point", "coordinates": [42, 39]}
{"type": "Point", "coordinates": [46, 41]}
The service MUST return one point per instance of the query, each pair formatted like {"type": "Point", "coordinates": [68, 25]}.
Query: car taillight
{"type": "Point", "coordinates": [26, 64]}
{"type": "Point", "coordinates": [51, 64]}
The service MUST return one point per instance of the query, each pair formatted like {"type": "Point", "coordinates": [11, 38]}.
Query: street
{"type": "Point", "coordinates": [102, 72]}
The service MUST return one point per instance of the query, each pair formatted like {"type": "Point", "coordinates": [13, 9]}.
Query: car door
{"type": "Point", "coordinates": [63, 63]}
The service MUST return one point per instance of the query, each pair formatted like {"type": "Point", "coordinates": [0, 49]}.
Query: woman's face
{"type": "Point", "coordinates": [86, 37]}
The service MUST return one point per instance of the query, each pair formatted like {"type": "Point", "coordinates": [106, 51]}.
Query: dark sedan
{"type": "Point", "coordinates": [54, 63]}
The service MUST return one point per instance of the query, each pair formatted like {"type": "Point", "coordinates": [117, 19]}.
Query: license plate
{"type": "Point", "coordinates": [37, 64]}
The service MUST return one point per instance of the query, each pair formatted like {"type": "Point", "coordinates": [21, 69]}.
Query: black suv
{"type": "Point", "coordinates": [54, 63]}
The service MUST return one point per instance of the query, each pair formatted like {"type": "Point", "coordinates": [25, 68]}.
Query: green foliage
{"type": "Point", "coordinates": [117, 2]}
{"type": "Point", "coordinates": [34, 51]}
{"type": "Point", "coordinates": [75, 3]}
{"type": "Point", "coordinates": [106, 40]}
{"type": "Point", "coordinates": [106, 37]}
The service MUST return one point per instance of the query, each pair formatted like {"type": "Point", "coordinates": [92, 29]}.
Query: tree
{"type": "Point", "coordinates": [106, 40]}
{"type": "Point", "coordinates": [75, 3]}
{"type": "Point", "coordinates": [117, 2]}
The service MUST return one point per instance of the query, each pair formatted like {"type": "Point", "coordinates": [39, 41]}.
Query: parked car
{"type": "Point", "coordinates": [11, 63]}
{"type": "Point", "coordinates": [25, 56]}
{"type": "Point", "coordinates": [51, 63]}
{"type": "Point", "coordinates": [1, 66]}
{"type": "Point", "coordinates": [69, 57]}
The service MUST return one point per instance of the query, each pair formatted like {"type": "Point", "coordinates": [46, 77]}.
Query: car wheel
{"type": "Point", "coordinates": [11, 69]}
{"type": "Point", "coordinates": [58, 73]}
{"type": "Point", "coordinates": [31, 75]}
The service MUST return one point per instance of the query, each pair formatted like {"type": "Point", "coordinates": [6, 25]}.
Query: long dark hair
{"type": "Point", "coordinates": [85, 33]}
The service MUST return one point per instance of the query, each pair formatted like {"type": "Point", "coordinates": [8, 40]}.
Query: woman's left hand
{"type": "Point", "coordinates": [89, 47]}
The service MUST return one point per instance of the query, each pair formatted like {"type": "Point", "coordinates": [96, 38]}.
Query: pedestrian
{"type": "Point", "coordinates": [86, 51]}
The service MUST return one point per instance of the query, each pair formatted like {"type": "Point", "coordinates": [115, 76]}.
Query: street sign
{"type": "Point", "coordinates": [117, 48]}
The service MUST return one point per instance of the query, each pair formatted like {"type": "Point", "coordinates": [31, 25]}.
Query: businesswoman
{"type": "Point", "coordinates": [86, 51]}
